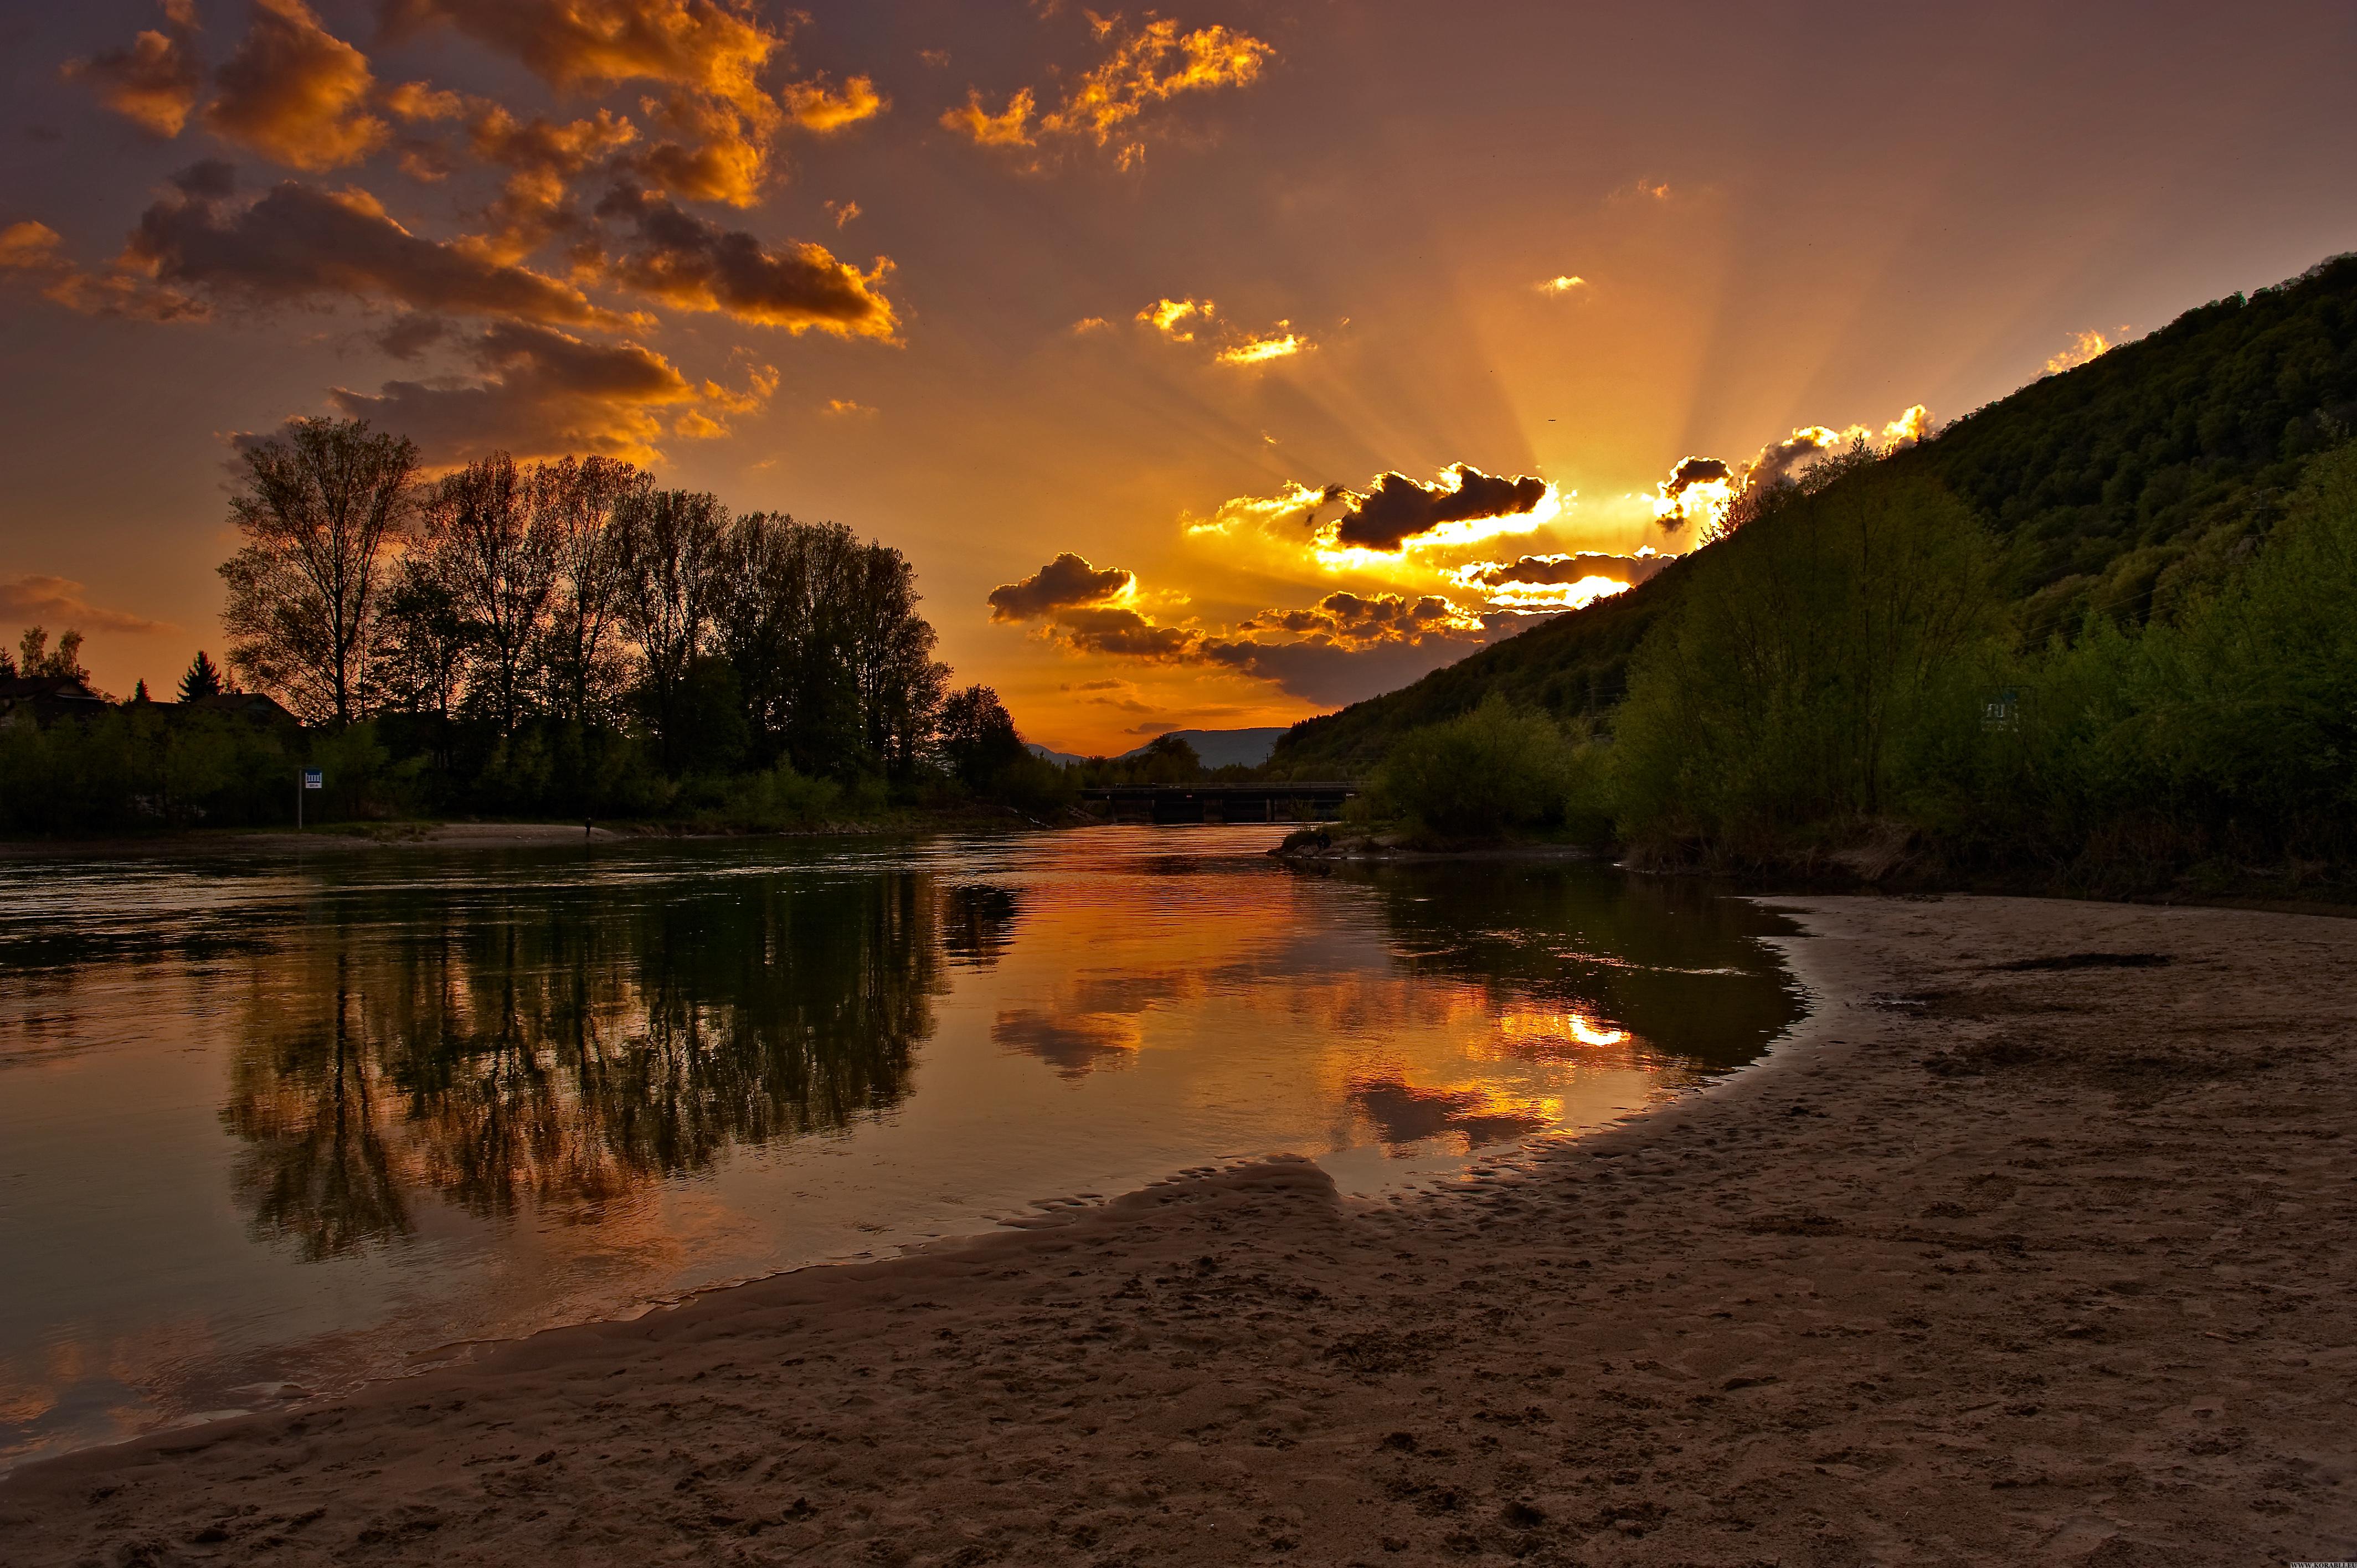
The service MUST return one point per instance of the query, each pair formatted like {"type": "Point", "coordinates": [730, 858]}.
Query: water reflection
{"type": "Point", "coordinates": [558, 1058]}
{"type": "Point", "coordinates": [276, 1121]}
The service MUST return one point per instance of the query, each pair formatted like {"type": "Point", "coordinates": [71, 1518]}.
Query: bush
{"type": "Point", "coordinates": [780, 801]}
{"type": "Point", "coordinates": [1480, 774]}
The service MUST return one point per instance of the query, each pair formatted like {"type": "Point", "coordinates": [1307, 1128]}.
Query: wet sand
{"type": "Point", "coordinates": [1988, 1264]}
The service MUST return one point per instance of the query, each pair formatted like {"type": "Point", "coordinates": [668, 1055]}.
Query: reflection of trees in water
{"type": "Point", "coordinates": [561, 1053]}
{"type": "Point", "coordinates": [1669, 961]}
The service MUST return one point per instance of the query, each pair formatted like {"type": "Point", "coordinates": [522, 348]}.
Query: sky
{"type": "Point", "coordinates": [1215, 366]}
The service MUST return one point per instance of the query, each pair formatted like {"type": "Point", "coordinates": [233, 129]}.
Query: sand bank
{"type": "Point", "coordinates": [1991, 1263]}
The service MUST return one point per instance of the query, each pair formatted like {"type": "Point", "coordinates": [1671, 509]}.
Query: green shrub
{"type": "Point", "coordinates": [1479, 774]}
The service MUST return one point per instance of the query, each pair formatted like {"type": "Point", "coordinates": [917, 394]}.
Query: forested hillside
{"type": "Point", "coordinates": [2113, 488]}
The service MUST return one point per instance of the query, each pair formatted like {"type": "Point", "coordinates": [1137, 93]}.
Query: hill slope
{"type": "Point", "coordinates": [2114, 487]}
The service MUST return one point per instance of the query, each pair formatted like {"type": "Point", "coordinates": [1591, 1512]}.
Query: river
{"type": "Point", "coordinates": [272, 1126]}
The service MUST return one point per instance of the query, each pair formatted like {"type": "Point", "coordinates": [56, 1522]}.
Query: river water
{"type": "Point", "coordinates": [270, 1127]}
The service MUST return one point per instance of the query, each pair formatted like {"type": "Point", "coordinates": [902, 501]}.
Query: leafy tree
{"type": "Point", "coordinates": [494, 554]}
{"type": "Point", "coordinates": [671, 557]}
{"type": "Point", "coordinates": [977, 738]}
{"type": "Point", "coordinates": [37, 660]}
{"type": "Point", "coordinates": [1803, 652]}
{"type": "Point", "coordinates": [1479, 774]}
{"type": "Point", "coordinates": [577, 501]}
{"type": "Point", "coordinates": [201, 680]}
{"type": "Point", "coordinates": [321, 507]}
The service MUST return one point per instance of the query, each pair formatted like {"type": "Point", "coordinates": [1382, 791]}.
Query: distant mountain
{"type": "Point", "coordinates": [1225, 748]}
{"type": "Point", "coordinates": [1217, 748]}
{"type": "Point", "coordinates": [2116, 488]}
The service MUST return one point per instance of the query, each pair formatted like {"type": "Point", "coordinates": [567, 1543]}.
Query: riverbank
{"type": "Point", "coordinates": [2009, 1254]}
{"type": "Point", "coordinates": [208, 843]}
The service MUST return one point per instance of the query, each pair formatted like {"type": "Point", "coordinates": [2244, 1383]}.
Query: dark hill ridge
{"type": "Point", "coordinates": [2113, 488]}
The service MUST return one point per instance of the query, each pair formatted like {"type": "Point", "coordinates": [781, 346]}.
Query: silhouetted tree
{"type": "Point", "coordinates": [671, 549]}
{"type": "Point", "coordinates": [576, 503]}
{"type": "Point", "coordinates": [494, 554]}
{"type": "Point", "coordinates": [976, 736]}
{"type": "Point", "coordinates": [321, 507]}
{"type": "Point", "coordinates": [36, 659]}
{"type": "Point", "coordinates": [203, 679]}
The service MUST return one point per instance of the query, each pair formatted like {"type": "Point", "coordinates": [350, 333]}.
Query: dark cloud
{"type": "Point", "coordinates": [296, 93]}
{"type": "Point", "coordinates": [1125, 633]}
{"type": "Point", "coordinates": [299, 244]}
{"type": "Point", "coordinates": [543, 393]}
{"type": "Point", "coordinates": [1552, 569]}
{"type": "Point", "coordinates": [687, 261]}
{"type": "Point", "coordinates": [1399, 509]}
{"type": "Point", "coordinates": [208, 179]}
{"type": "Point", "coordinates": [154, 83]}
{"type": "Point", "coordinates": [412, 336]}
{"type": "Point", "coordinates": [1694, 471]}
{"type": "Point", "coordinates": [1066, 581]}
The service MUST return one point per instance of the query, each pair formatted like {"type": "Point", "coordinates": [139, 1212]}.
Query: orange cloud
{"type": "Point", "coordinates": [297, 93]}
{"type": "Point", "coordinates": [543, 393]}
{"type": "Point", "coordinates": [297, 242]}
{"type": "Point", "coordinates": [1008, 128]}
{"type": "Point", "coordinates": [34, 253]}
{"type": "Point", "coordinates": [1143, 66]}
{"type": "Point", "coordinates": [702, 46]}
{"type": "Point", "coordinates": [55, 601]}
{"type": "Point", "coordinates": [2084, 346]}
{"type": "Point", "coordinates": [544, 156]}
{"type": "Point", "coordinates": [721, 153]}
{"type": "Point", "coordinates": [687, 261]}
{"type": "Point", "coordinates": [1178, 318]}
{"type": "Point", "coordinates": [1133, 77]}
{"type": "Point", "coordinates": [1282, 344]}
{"type": "Point", "coordinates": [817, 107]}
{"type": "Point", "coordinates": [154, 83]}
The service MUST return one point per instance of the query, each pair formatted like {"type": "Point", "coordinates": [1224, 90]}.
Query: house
{"type": "Point", "coordinates": [40, 700]}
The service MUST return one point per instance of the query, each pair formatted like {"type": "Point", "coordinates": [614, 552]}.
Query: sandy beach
{"type": "Point", "coordinates": [2008, 1255]}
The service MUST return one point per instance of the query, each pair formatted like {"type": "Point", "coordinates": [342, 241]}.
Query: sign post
{"type": "Point", "coordinates": [313, 779]}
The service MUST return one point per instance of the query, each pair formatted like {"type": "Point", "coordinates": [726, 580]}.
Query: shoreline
{"type": "Point", "coordinates": [1891, 1293]}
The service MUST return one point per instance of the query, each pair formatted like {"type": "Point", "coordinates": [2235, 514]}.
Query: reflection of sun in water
{"type": "Point", "coordinates": [1533, 1026]}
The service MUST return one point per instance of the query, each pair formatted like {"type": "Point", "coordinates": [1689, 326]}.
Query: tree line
{"type": "Point", "coordinates": [567, 635]}
{"type": "Point", "coordinates": [1845, 687]}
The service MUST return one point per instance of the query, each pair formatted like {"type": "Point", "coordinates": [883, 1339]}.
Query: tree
{"type": "Point", "coordinates": [35, 660]}
{"type": "Point", "coordinates": [203, 679]}
{"type": "Point", "coordinates": [976, 738]}
{"type": "Point", "coordinates": [497, 559]}
{"type": "Point", "coordinates": [322, 506]}
{"type": "Point", "coordinates": [671, 552]}
{"type": "Point", "coordinates": [576, 501]}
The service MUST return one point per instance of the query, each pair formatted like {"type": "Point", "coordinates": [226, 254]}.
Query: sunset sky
{"type": "Point", "coordinates": [1114, 322]}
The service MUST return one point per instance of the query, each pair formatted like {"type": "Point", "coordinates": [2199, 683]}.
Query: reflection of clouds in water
{"type": "Point", "coordinates": [1404, 1115]}
{"type": "Point", "coordinates": [1074, 1044]}
{"type": "Point", "coordinates": [1093, 1021]}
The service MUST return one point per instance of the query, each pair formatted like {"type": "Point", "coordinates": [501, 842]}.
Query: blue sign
{"type": "Point", "coordinates": [314, 779]}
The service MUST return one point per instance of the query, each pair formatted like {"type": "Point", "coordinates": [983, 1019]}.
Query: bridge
{"type": "Point", "coordinates": [1312, 801]}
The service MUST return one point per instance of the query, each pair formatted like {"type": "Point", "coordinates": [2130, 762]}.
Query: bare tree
{"type": "Point", "coordinates": [321, 506]}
